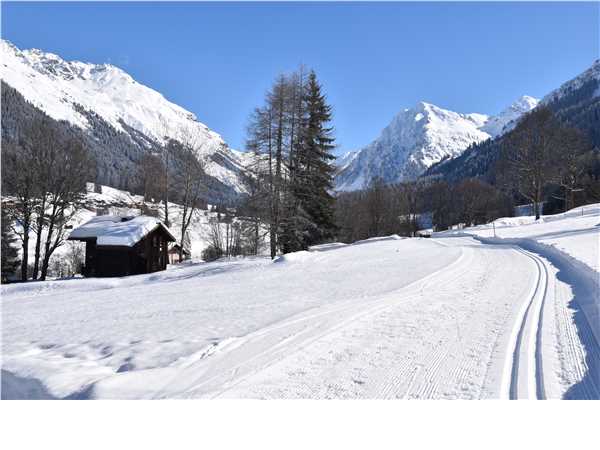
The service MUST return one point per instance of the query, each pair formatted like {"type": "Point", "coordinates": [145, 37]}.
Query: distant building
{"type": "Point", "coordinates": [426, 233]}
{"type": "Point", "coordinates": [117, 246]}
{"type": "Point", "coordinates": [527, 209]}
{"type": "Point", "coordinates": [174, 254]}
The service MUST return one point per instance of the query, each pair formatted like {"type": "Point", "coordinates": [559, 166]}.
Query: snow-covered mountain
{"type": "Point", "coordinates": [590, 76]}
{"type": "Point", "coordinates": [419, 137]}
{"type": "Point", "coordinates": [507, 119]}
{"type": "Point", "coordinates": [576, 103]}
{"type": "Point", "coordinates": [78, 92]}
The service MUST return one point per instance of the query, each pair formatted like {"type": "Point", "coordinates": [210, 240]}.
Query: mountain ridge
{"type": "Point", "coordinates": [575, 103]}
{"type": "Point", "coordinates": [72, 90]}
{"type": "Point", "coordinates": [420, 137]}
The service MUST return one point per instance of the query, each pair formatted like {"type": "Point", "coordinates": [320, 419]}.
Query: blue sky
{"type": "Point", "coordinates": [218, 59]}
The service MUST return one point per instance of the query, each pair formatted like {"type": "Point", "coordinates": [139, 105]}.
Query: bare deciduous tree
{"type": "Point", "coordinates": [19, 180]}
{"type": "Point", "coordinates": [189, 185]}
{"type": "Point", "coordinates": [529, 156]}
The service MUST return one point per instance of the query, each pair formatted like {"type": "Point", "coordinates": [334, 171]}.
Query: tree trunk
{"type": "Point", "coordinates": [47, 252]}
{"type": "Point", "coordinates": [256, 230]}
{"type": "Point", "coordinates": [38, 238]}
{"type": "Point", "coordinates": [166, 193]}
{"type": "Point", "coordinates": [273, 239]}
{"type": "Point", "coordinates": [25, 260]}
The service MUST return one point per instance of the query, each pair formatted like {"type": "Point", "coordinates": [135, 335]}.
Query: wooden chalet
{"type": "Point", "coordinates": [117, 246]}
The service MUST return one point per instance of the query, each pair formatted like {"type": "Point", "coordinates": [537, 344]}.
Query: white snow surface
{"type": "Point", "coordinates": [117, 230]}
{"type": "Point", "coordinates": [575, 232]}
{"type": "Point", "coordinates": [508, 119]}
{"type": "Point", "coordinates": [448, 317]}
{"type": "Point", "coordinates": [419, 137]}
{"type": "Point", "coordinates": [56, 86]}
{"type": "Point", "coordinates": [570, 240]}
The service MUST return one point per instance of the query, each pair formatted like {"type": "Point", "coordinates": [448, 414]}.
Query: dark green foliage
{"type": "Point", "coordinates": [311, 219]}
{"type": "Point", "coordinates": [8, 252]}
{"type": "Point", "coordinates": [211, 253]}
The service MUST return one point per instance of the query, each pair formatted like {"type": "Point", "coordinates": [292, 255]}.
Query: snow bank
{"type": "Point", "coordinates": [576, 232]}
{"type": "Point", "coordinates": [326, 247]}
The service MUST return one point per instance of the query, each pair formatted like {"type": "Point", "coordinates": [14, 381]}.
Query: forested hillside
{"type": "Point", "coordinates": [575, 104]}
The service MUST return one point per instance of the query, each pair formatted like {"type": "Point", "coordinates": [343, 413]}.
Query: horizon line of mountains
{"type": "Point", "coordinates": [122, 119]}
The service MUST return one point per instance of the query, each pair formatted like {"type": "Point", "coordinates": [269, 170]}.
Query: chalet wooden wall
{"type": "Point", "coordinates": [149, 255]}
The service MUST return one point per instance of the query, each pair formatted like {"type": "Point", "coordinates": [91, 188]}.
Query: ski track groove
{"type": "Point", "coordinates": [414, 292]}
{"type": "Point", "coordinates": [430, 367]}
{"type": "Point", "coordinates": [423, 377]}
{"type": "Point", "coordinates": [530, 321]}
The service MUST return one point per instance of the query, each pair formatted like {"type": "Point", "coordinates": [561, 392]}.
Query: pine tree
{"type": "Point", "coordinates": [8, 252]}
{"type": "Point", "coordinates": [314, 171]}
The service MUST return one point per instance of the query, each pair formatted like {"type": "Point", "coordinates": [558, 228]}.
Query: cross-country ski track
{"type": "Point", "coordinates": [478, 321]}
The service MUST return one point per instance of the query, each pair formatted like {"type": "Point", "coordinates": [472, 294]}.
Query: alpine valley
{"type": "Point", "coordinates": [121, 120]}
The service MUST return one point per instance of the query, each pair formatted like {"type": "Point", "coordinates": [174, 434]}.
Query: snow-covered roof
{"type": "Point", "coordinates": [117, 230]}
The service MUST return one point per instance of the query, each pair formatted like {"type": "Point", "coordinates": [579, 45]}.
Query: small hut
{"type": "Point", "coordinates": [174, 254]}
{"type": "Point", "coordinates": [117, 246]}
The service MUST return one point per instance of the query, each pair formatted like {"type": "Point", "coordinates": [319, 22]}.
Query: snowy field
{"type": "Point", "coordinates": [452, 317]}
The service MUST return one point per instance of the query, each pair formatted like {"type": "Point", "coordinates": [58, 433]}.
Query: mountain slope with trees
{"type": "Point", "coordinates": [575, 104]}
{"type": "Point", "coordinates": [419, 137]}
{"type": "Point", "coordinates": [121, 120]}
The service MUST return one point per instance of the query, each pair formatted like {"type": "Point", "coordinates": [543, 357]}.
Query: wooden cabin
{"type": "Point", "coordinates": [174, 254]}
{"type": "Point", "coordinates": [117, 246]}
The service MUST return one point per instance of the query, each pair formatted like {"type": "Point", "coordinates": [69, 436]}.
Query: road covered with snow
{"type": "Point", "coordinates": [458, 316]}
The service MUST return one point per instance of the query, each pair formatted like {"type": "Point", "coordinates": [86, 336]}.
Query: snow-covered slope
{"type": "Point", "coordinates": [419, 137]}
{"type": "Point", "coordinates": [591, 75]}
{"type": "Point", "coordinates": [62, 88]}
{"type": "Point", "coordinates": [507, 119]}
{"type": "Point", "coordinates": [447, 317]}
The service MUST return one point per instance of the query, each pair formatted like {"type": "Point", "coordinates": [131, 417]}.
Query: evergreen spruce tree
{"type": "Point", "coordinates": [8, 251]}
{"type": "Point", "coordinates": [314, 171]}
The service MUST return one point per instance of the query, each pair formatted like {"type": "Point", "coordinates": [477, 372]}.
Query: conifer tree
{"type": "Point", "coordinates": [315, 170]}
{"type": "Point", "coordinates": [8, 252]}
{"type": "Point", "coordinates": [292, 141]}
